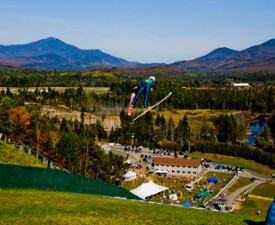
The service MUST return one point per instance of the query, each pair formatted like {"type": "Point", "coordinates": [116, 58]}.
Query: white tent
{"type": "Point", "coordinates": [130, 176]}
{"type": "Point", "coordinates": [148, 189]}
{"type": "Point", "coordinates": [128, 161]}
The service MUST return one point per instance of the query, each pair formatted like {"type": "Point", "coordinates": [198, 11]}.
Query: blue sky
{"type": "Point", "coordinates": [141, 30]}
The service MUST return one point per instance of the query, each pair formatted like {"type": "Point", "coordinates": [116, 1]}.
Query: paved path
{"type": "Point", "coordinates": [231, 199]}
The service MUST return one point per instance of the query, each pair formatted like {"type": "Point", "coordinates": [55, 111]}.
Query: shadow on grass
{"type": "Point", "coordinates": [249, 222]}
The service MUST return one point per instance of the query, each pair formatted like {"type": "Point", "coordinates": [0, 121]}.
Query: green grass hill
{"type": "Point", "coordinates": [49, 207]}
{"type": "Point", "coordinates": [11, 155]}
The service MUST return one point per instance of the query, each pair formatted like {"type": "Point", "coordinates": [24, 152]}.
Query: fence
{"type": "Point", "coordinates": [30, 151]}
{"type": "Point", "coordinates": [12, 176]}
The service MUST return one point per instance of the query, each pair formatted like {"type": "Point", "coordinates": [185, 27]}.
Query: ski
{"type": "Point", "coordinates": [147, 110]}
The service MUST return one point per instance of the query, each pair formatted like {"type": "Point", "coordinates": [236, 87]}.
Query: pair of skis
{"type": "Point", "coordinates": [153, 106]}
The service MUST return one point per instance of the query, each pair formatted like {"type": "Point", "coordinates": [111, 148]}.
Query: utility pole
{"type": "Point", "coordinates": [86, 159]}
{"type": "Point", "coordinates": [133, 138]}
{"type": "Point", "coordinates": [189, 129]}
{"type": "Point", "coordinates": [37, 137]}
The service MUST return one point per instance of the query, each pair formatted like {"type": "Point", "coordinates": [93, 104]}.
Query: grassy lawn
{"type": "Point", "coordinates": [238, 184]}
{"type": "Point", "coordinates": [266, 190]}
{"type": "Point", "coordinates": [11, 155]}
{"type": "Point", "coordinates": [47, 207]}
{"type": "Point", "coordinates": [255, 203]}
{"type": "Point", "coordinates": [252, 205]}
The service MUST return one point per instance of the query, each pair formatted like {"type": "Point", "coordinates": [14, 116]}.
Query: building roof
{"type": "Point", "coordinates": [176, 161]}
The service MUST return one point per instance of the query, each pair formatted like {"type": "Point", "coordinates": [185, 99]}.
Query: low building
{"type": "Point", "coordinates": [240, 84]}
{"type": "Point", "coordinates": [178, 166]}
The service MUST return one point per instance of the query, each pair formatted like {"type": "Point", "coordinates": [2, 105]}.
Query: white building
{"type": "Point", "coordinates": [240, 84]}
{"type": "Point", "coordinates": [178, 166]}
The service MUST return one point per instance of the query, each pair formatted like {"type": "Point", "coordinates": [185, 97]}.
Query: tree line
{"type": "Point", "coordinates": [10, 77]}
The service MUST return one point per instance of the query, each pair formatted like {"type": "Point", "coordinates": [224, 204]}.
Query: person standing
{"type": "Point", "coordinates": [144, 87]}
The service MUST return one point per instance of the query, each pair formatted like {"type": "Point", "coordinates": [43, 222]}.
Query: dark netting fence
{"type": "Point", "coordinates": [12, 176]}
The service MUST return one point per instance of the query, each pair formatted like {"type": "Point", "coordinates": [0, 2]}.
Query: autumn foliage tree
{"type": "Point", "coordinates": [19, 120]}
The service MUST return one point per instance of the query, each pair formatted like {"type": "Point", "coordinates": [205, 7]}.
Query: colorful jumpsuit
{"type": "Point", "coordinates": [270, 217]}
{"type": "Point", "coordinates": [145, 87]}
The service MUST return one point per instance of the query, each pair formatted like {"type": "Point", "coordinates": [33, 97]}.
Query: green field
{"type": "Point", "coordinates": [48, 207]}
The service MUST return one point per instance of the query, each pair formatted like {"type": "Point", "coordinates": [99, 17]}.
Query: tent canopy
{"type": "Point", "coordinates": [130, 176]}
{"type": "Point", "coordinates": [148, 189]}
{"type": "Point", "coordinates": [202, 194]}
{"type": "Point", "coordinates": [212, 180]}
{"type": "Point", "coordinates": [187, 204]}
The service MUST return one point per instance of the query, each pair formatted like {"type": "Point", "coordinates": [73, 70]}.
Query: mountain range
{"type": "Point", "coordinates": [256, 58]}
{"type": "Point", "coordinates": [53, 54]}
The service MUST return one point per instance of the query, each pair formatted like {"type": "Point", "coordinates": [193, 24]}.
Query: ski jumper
{"type": "Point", "coordinates": [270, 217]}
{"type": "Point", "coordinates": [145, 87]}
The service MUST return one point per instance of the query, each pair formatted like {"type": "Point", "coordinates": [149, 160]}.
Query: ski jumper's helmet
{"type": "Point", "coordinates": [152, 78]}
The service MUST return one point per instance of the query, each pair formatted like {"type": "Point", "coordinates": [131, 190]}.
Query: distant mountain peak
{"type": "Point", "coordinates": [223, 50]}
{"type": "Point", "coordinates": [256, 58]}
{"type": "Point", "coordinates": [52, 53]}
{"type": "Point", "coordinates": [218, 54]}
{"type": "Point", "coordinates": [51, 38]}
{"type": "Point", "coordinates": [271, 42]}
{"type": "Point", "coordinates": [51, 41]}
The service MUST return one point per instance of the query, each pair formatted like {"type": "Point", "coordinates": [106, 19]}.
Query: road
{"type": "Point", "coordinates": [260, 178]}
{"type": "Point", "coordinates": [132, 156]}
{"type": "Point", "coordinates": [231, 199]}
